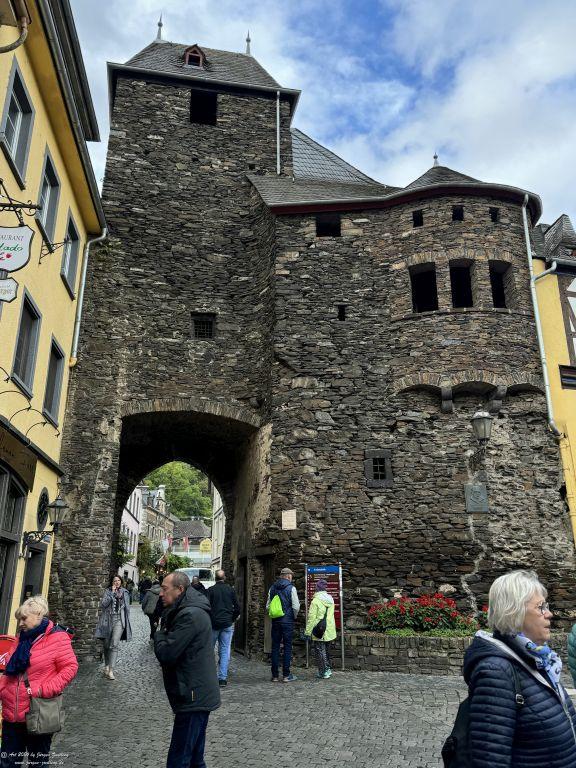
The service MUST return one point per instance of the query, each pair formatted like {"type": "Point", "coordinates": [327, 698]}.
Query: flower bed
{"type": "Point", "coordinates": [429, 616]}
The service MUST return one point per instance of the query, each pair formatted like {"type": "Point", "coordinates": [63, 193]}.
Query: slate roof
{"type": "Point", "coordinates": [440, 174]}
{"type": "Point", "coordinates": [220, 66]}
{"type": "Point", "coordinates": [193, 529]}
{"type": "Point", "coordinates": [313, 161]}
{"type": "Point", "coordinates": [279, 190]}
{"type": "Point", "coordinates": [560, 240]}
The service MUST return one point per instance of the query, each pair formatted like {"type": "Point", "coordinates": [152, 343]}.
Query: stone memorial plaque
{"type": "Point", "coordinates": [289, 520]}
{"type": "Point", "coordinates": [476, 497]}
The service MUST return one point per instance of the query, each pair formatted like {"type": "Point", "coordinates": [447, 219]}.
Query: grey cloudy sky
{"type": "Point", "coordinates": [491, 86]}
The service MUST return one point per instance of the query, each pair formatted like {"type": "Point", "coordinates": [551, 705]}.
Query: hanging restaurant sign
{"type": "Point", "coordinates": [15, 245]}
{"type": "Point", "coordinates": [8, 290]}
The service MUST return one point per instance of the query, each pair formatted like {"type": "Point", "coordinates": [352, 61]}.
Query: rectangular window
{"type": "Point", "coordinates": [328, 225]}
{"type": "Point", "coordinates": [17, 122]}
{"type": "Point", "coordinates": [568, 377]}
{"type": "Point", "coordinates": [203, 107]}
{"type": "Point", "coordinates": [26, 345]}
{"type": "Point", "coordinates": [461, 285]}
{"type": "Point", "coordinates": [502, 284]}
{"type": "Point", "coordinates": [424, 288]}
{"type": "Point", "coordinates": [203, 326]}
{"type": "Point", "coordinates": [494, 214]}
{"type": "Point", "coordinates": [417, 218]}
{"type": "Point", "coordinates": [457, 213]}
{"type": "Point", "coordinates": [54, 383]}
{"type": "Point", "coordinates": [48, 200]}
{"type": "Point", "coordinates": [378, 468]}
{"type": "Point", "coordinates": [70, 256]}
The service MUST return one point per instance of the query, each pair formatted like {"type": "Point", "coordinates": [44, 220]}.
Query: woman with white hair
{"type": "Point", "coordinates": [520, 716]}
{"type": "Point", "coordinates": [41, 665]}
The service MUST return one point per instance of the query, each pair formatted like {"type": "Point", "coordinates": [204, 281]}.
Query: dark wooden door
{"type": "Point", "coordinates": [242, 594]}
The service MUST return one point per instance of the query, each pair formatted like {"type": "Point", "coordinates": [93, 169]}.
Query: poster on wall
{"type": "Point", "coordinates": [332, 574]}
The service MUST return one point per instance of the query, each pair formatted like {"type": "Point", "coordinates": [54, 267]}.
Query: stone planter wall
{"type": "Point", "coordinates": [370, 651]}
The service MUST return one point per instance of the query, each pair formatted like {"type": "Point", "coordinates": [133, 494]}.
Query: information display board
{"type": "Point", "coordinates": [332, 574]}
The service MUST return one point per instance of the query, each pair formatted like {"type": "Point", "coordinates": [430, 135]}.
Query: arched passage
{"type": "Point", "coordinates": [225, 442]}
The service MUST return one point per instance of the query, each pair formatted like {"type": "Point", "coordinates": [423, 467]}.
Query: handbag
{"type": "Point", "coordinates": [45, 716]}
{"type": "Point", "coordinates": [320, 628]}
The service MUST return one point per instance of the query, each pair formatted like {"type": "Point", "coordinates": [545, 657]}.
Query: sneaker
{"type": "Point", "coordinates": [222, 683]}
{"type": "Point", "coordinates": [327, 674]}
{"type": "Point", "coordinates": [289, 678]}
{"type": "Point", "coordinates": [110, 675]}
{"type": "Point", "coordinates": [274, 680]}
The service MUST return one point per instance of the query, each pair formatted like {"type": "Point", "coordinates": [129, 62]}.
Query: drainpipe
{"type": "Point", "coordinates": [278, 133]}
{"type": "Point", "coordinates": [563, 442]}
{"type": "Point", "coordinates": [23, 27]}
{"type": "Point", "coordinates": [73, 354]}
{"type": "Point", "coordinates": [533, 278]}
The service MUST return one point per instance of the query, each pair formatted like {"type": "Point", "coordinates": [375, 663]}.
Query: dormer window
{"type": "Point", "coordinates": [193, 57]}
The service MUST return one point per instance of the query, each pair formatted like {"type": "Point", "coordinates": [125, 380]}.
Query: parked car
{"type": "Point", "coordinates": [204, 574]}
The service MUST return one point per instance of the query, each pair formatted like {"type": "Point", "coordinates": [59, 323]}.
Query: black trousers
{"type": "Point", "coordinates": [16, 741]}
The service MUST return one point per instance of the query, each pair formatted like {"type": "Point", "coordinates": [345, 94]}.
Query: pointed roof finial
{"type": "Point", "coordinates": [248, 41]}
{"type": "Point", "coordinates": [436, 159]}
{"type": "Point", "coordinates": [160, 25]}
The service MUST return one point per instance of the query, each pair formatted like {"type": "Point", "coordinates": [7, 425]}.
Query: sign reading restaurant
{"type": "Point", "coordinates": [15, 245]}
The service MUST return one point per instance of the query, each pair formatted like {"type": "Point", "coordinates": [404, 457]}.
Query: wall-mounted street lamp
{"type": "Point", "coordinates": [58, 513]}
{"type": "Point", "coordinates": [482, 426]}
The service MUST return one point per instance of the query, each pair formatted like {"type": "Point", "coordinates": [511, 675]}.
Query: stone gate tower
{"type": "Point", "coordinates": [314, 341]}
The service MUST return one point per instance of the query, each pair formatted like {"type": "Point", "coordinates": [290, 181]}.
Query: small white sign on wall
{"type": "Point", "coordinates": [289, 522]}
{"type": "Point", "coordinates": [8, 289]}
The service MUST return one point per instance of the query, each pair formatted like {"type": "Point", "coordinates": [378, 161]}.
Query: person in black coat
{"type": "Point", "coordinates": [537, 730]}
{"type": "Point", "coordinates": [225, 611]}
{"type": "Point", "coordinates": [184, 648]}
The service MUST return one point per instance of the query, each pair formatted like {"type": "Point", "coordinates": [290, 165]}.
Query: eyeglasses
{"type": "Point", "coordinates": [543, 608]}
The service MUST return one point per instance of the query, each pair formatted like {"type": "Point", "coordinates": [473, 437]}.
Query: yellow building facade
{"type": "Point", "coordinates": [47, 117]}
{"type": "Point", "coordinates": [555, 270]}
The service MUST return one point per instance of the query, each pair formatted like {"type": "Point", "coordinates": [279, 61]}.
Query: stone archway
{"type": "Point", "coordinates": [225, 441]}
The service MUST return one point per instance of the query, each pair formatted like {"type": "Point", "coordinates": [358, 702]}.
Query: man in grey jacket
{"type": "Point", "coordinates": [185, 651]}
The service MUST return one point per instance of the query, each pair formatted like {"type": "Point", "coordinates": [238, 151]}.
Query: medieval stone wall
{"type": "Point", "coordinates": [388, 378]}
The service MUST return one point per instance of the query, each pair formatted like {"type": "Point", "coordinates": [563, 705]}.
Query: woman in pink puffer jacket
{"type": "Point", "coordinates": [44, 655]}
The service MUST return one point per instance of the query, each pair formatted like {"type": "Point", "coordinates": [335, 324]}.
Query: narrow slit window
{"type": "Point", "coordinates": [424, 288]}
{"type": "Point", "coordinates": [418, 218]}
{"type": "Point", "coordinates": [203, 326]}
{"type": "Point", "coordinates": [461, 285]}
{"type": "Point", "coordinates": [494, 214]}
{"type": "Point", "coordinates": [328, 225]}
{"type": "Point", "coordinates": [568, 377]}
{"type": "Point", "coordinates": [502, 284]}
{"type": "Point", "coordinates": [203, 107]}
{"type": "Point", "coordinates": [457, 213]}
{"type": "Point", "coordinates": [341, 311]}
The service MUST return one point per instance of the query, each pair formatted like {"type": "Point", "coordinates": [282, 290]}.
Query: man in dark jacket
{"type": "Point", "coordinates": [283, 627]}
{"type": "Point", "coordinates": [185, 651]}
{"type": "Point", "coordinates": [225, 611]}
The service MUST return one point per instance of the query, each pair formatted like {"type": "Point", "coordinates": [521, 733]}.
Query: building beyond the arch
{"type": "Point", "coordinates": [316, 342]}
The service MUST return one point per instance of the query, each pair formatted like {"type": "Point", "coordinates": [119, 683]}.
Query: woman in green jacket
{"type": "Point", "coordinates": [322, 606]}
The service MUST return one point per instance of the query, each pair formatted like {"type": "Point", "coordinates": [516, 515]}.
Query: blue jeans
{"type": "Point", "coordinates": [188, 740]}
{"type": "Point", "coordinates": [281, 633]}
{"type": "Point", "coordinates": [224, 638]}
{"type": "Point", "coordinates": [16, 740]}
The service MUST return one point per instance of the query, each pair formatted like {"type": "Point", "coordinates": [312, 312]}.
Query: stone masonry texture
{"type": "Point", "coordinates": [281, 405]}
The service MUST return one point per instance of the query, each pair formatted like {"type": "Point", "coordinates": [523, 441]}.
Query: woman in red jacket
{"type": "Point", "coordinates": [44, 655]}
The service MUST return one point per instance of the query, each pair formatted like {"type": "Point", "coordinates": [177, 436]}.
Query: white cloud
{"type": "Point", "coordinates": [489, 85]}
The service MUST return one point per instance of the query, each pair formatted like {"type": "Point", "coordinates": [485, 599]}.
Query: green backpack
{"type": "Point", "coordinates": [275, 610]}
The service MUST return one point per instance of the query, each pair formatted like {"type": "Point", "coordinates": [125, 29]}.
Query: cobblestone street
{"type": "Point", "coordinates": [355, 718]}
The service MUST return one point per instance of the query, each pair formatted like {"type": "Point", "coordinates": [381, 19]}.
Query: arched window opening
{"type": "Point", "coordinates": [424, 288]}
{"type": "Point", "coordinates": [461, 283]}
{"type": "Point", "coordinates": [502, 284]}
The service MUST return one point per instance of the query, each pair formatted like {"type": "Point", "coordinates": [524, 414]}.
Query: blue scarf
{"type": "Point", "coordinates": [546, 659]}
{"type": "Point", "coordinates": [20, 659]}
